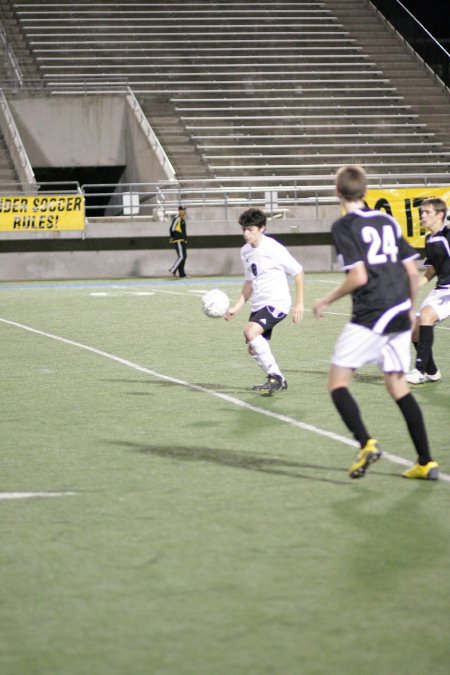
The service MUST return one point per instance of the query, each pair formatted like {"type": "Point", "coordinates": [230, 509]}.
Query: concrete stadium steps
{"type": "Point", "coordinates": [328, 75]}
{"type": "Point", "coordinates": [18, 42]}
{"type": "Point", "coordinates": [186, 158]}
{"type": "Point", "coordinates": [8, 173]}
{"type": "Point", "coordinates": [410, 77]}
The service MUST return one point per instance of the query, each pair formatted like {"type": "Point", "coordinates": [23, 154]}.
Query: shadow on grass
{"type": "Point", "coordinates": [235, 460]}
{"type": "Point", "coordinates": [367, 378]}
{"type": "Point", "coordinates": [165, 384]}
{"type": "Point", "coordinates": [395, 539]}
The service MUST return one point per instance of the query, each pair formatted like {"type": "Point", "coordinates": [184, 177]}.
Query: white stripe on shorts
{"type": "Point", "coordinates": [439, 300]}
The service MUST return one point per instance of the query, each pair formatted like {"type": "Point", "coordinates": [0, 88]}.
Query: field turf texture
{"type": "Point", "coordinates": [159, 517]}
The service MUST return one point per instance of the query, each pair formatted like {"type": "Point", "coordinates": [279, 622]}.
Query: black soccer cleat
{"type": "Point", "coordinates": [274, 383]}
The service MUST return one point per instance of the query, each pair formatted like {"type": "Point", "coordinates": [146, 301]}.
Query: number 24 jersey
{"type": "Point", "coordinates": [375, 238]}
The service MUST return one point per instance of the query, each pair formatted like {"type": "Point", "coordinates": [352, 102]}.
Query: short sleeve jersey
{"type": "Point", "coordinates": [266, 266]}
{"type": "Point", "coordinates": [375, 239]}
{"type": "Point", "coordinates": [437, 252]}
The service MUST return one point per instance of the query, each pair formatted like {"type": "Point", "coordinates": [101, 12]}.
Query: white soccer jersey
{"type": "Point", "coordinates": [266, 266]}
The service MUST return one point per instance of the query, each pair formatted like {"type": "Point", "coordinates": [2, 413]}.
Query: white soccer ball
{"type": "Point", "coordinates": [215, 303]}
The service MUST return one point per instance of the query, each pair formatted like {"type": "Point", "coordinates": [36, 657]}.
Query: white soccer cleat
{"type": "Point", "coordinates": [416, 377]}
{"type": "Point", "coordinates": [434, 378]}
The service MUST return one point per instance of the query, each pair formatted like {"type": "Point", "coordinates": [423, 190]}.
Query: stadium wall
{"type": "Point", "coordinates": [68, 131]}
{"type": "Point", "coordinates": [88, 131]}
{"type": "Point", "coordinates": [120, 247]}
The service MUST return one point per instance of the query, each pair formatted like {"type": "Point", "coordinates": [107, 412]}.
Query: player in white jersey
{"type": "Point", "coordinates": [266, 266]}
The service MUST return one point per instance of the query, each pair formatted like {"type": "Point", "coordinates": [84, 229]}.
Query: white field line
{"type": "Point", "coordinates": [224, 397]}
{"type": "Point", "coordinates": [30, 495]}
{"type": "Point", "coordinates": [197, 293]}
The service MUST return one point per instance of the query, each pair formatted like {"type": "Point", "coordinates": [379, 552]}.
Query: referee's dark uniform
{"type": "Point", "coordinates": [178, 240]}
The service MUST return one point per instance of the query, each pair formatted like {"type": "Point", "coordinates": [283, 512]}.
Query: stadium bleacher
{"type": "Point", "coordinates": [265, 88]}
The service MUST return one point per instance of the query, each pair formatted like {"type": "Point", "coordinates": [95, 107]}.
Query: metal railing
{"type": "Point", "coordinates": [11, 63]}
{"type": "Point", "coordinates": [279, 197]}
{"type": "Point", "coordinates": [14, 143]}
{"type": "Point", "coordinates": [276, 195]}
{"type": "Point", "coordinates": [150, 135]}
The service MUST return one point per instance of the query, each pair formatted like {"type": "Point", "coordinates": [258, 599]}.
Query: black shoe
{"type": "Point", "coordinates": [274, 383]}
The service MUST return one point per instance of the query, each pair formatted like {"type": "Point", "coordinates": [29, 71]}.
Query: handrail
{"type": "Point", "coordinates": [9, 53]}
{"type": "Point", "coordinates": [159, 200]}
{"type": "Point", "coordinates": [163, 197]}
{"type": "Point", "coordinates": [14, 142]}
{"type": "Point", "coordinates": [150, 134]}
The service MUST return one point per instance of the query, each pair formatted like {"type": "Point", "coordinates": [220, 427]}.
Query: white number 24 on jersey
{"type": "Point", "coordinates": [380, 247]}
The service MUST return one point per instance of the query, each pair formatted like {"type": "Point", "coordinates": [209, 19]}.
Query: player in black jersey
{"type": "Point", "coordinates": [382, 279]}
{"type": "Point", "coordinates": [436, 306]}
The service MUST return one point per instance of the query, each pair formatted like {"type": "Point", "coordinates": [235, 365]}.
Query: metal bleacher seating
{"type": "Point", "coordinates": [252, 88]}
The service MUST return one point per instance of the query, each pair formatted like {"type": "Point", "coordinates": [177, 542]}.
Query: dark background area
{"type": "Point", "coordinates": [428, 35]}
{"type": "Point", "coordinates": [434, 15]}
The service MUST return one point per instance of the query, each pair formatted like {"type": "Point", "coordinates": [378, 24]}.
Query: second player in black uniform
{"type": "Point", "coordinates": [382, 279]}
{"type": "Point", "coordinates": [436, 306]}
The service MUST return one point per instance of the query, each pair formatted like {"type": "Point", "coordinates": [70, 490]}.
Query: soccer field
{"type": "Point", "coordinates": [161, 518]}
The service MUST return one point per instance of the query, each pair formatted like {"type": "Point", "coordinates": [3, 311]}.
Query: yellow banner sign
{"type": "Point", "coordinates": [403, 204]}
{"type": "Point", "coordinates": [42, 213]}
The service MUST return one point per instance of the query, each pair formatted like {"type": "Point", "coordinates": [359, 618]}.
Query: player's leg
{"type": "Point", "coordinates": [394, 361]}
{"type": "Point", "coordinates": [398, 388]}
{"type": "Point", "coordinates": [355, 347]}
{"type": "Point", "coordinates": [435, 308]}
{"type": "Point", "coordinates": [259, 347]}
{"type": "Point", "coordinates": [428, 318]}
{"type": "Point", "coordinates": [257, 334]}
{"type": "Point", "coordinates": [339, 381]}
{"type": "Point", "coordinates": [179, 259]}
{"type": "Point", "coordinates": [183, 256]}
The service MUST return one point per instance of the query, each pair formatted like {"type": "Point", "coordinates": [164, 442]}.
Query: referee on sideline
{"type": "Point", "coordinates": [178, 240]}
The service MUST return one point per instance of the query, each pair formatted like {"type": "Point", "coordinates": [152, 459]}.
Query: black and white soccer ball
{"type": "Point", "coordinates": [215, 303]}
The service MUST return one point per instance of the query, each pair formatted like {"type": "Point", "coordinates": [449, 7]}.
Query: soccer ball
{"type": "Point", "coordinates": [215, 303]}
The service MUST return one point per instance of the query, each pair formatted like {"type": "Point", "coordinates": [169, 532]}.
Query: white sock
{"type": "Point", "coordinates": [264, 357]}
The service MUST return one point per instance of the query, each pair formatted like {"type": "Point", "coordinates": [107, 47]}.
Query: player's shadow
{"type": "Point", "coordinates": [165, 384]}
{"type": "Point", "coordinates": [366, 378]}
{"type": "Point", "coordinates": [243, 461]}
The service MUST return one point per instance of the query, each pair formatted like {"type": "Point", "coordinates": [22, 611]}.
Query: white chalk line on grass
{"type": "Point", "coordinates": [31, 495]}
{"type": "Point", "coordinates": [197, 387]}
{"type": "Point", "coordinates": [196, 293]}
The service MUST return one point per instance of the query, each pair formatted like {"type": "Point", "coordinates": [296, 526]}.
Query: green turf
{"type": "Point", "coordinates": [206, 538]}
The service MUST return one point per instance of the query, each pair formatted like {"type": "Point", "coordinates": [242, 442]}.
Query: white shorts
{"type": "Point", "coordinates": [439, 300]}
{"type": "Point", "coordinates": [359, 346]}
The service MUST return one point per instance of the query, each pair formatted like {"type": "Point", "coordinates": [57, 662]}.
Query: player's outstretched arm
{"type": "Point", "coordinates": [246, 292]}
{"type": "Point", "coordinates": [428, 275]}
{"type": "Point", "coordinates": [413, 279]}
{"type": "Point", "coordinates": [298, 307]}
{"type": "Point", "coordinates": [354, 278]}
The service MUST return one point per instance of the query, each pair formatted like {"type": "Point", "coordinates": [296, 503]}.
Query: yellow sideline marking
{"type": "Point", "coordinates": [224, 397]}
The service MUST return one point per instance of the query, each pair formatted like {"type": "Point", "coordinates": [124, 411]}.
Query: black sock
{"type": "Point", "coordinates": [349, 411]}
{"type": "Point", "coordinates": [413, 417]}
{"type": "Point", "coordinates": [424, 358]}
